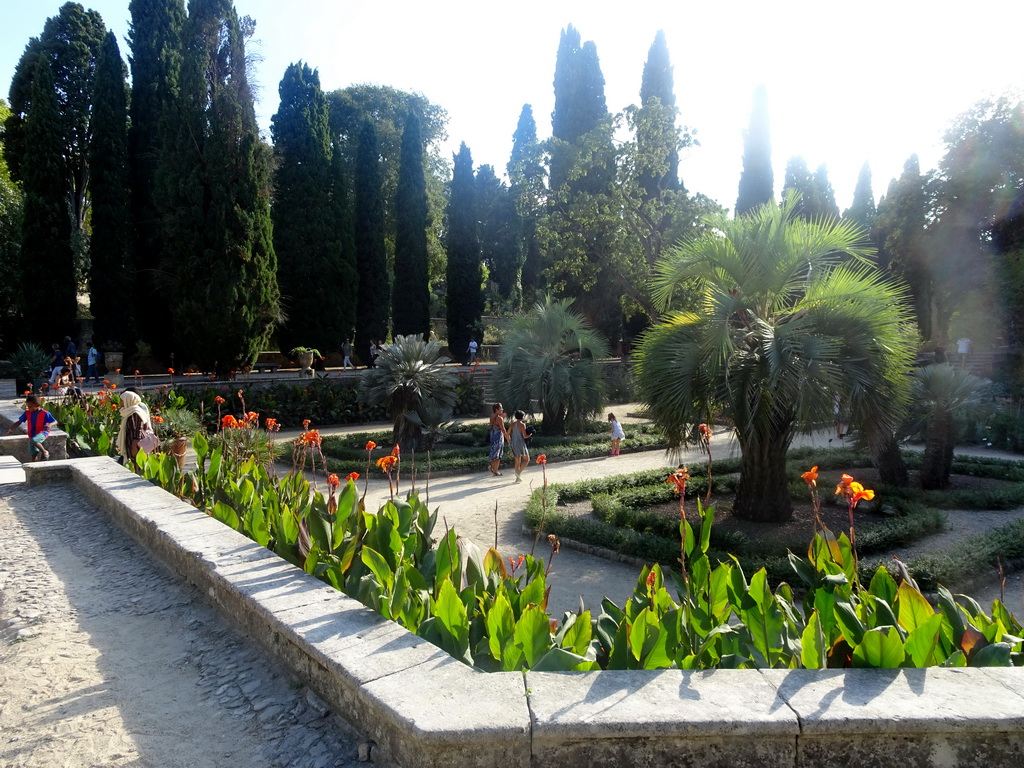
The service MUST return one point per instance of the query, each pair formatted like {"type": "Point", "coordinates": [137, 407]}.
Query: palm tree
{"type": "Point", "coordinates": [409, 376]}
{"type": "Point", "coordinates": [550, 355]}
{"type": "Point", "coordinates": [789, 315]}
{"type": "Point", "coordinates": [940, 391]}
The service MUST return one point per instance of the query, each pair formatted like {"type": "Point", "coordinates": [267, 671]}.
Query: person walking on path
{"type": "Point", "coordinates": [497, 437]}
{"type": "Point", "coordinates": [37, 421]}
{"type": "Point", "coordinates": [346, 354]}
{"type": "Point", "coordinates": [520, 452]}
{"type": "Point", "coordinates": [92, 361]}
{"type": "Point", "coordinates": [616, 435]}
{"type": "Point", "coordinates": [472, 350]}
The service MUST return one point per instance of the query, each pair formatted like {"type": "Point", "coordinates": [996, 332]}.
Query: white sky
{"type": "Point", "coordinates": [875, 80]}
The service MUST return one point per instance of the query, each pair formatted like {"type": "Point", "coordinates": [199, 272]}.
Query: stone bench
{"type": "Point", "coordinates": [423, 708]}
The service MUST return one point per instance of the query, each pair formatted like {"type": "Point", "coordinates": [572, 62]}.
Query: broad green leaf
{"type": "Point", "coordinates": [451, 616]}
{"type": "Point", "coordinates": [879, 649]}
{"type": "Point", "coordinates": [883, 586]}
{"type": "Point", "coordinates": [912, 607]}
{"type": "Point", "coordinates": [533, 634]}
{"type": "Point", "coordinates": [852, 627]}
{"type": "Point", "coordinates": [994, 655]}
{"type": "Point", "coordinates": [922, 643]}
{"type": "Point", "coordinates": [500, 625]}
{"type": "Point", "coordinates": [813, 648]}
{"type": "Point", "coordinates": [380, 567]}
{"type": "Point", "coordinates": [577, 637]}
{"type": "Point", "coordinates": [561, 660]}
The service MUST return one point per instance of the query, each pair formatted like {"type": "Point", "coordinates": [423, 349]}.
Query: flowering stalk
{"type": "Point", "coordinates": [678, 479]}
{"type": "Point", "coordinates": [704, 432]}
{"type": "Point", "coordinates": [853, 492]}
{"type": "Point", "coordinates": [543, 461]}
{"type": "Point", "coordinates": [370, 445]}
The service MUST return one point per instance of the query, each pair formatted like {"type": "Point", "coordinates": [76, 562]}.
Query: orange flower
{"type": "Point", "coordinates": [106, 381]}
{"type": "Point", "coordinates": [679, 478]}
{"type": "Point", "coordinates": [387, 463]}
{"type": "Point", "coordinates": [843, 489]}
{"type": "Point", "coordinates": [860, 492]}
{"type": "Point", "coordinates": [370, 445]}
{"type": "Point", "coordinates": [542, 459]}
{"type": "Point", "coordinates": [117, 370]}
{"type": "Point", "coordinates": [229, 421]}
{"type": "Point", "coordinates": [113, 386]}
{"type": "Point", "coordinates": [704, 431]}
{"type": "Point", "coordinates": [157, 419]}
{"type": "Point", "coordinates": [169, 370]}
{"type": "Point", "coordinates": [652, 579]}
{"type": "Point", "coordinates": [305, 423]}
{"type": "Point", "coordinates": [811, 476]}
{"type": "Point", "coordinates": [271, 425]}
{"type": "Point", "coordinates": [312, 437]}
{"type": "Point", "coordinates": [395, 451]}
{"type": "Point", "coordinates": [333, 481]}
{"type": "Point", "coordinates": [352, 476]}
{"type": "Point", "coordinates": [218, 400]}
{"type": "Point", "coordinates": [136, 371]}
{"type": "Point", "coordinates": [252, 417]}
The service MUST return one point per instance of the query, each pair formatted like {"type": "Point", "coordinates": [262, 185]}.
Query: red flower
{"type": "Point", "coordinates": [542, 459]}
{"type": "Point", "coordinates": [395, 451]}
{"type": "Point", "coordinates": [218, 400]}
{"type": "Point", "coordinates": [272, 425]}
{"type": "Point", "coordinates": [811, 476]}
{"type": "Point", "coordinates": [387, 463]}
{"type": "Point", "coordinates": [679, 478]}
{"type": "Point", "coordinates": [305, 423]}
{"type": "Point", "coordinates": [352, 476]}
{"type": "Point", "coordinates": [157, 419]}
{"type": "Point", "coordinates": [136, 371]}
{"type": "Point", "coordinates": [229, 421]}
{"type": "Point", "coordinates": [169, 370]}
{"type": "Point", "coordinates": [333, 481]}
{"type": "Point", "coordinates": [312, 437]}
{"type": "Point", "coordinates": [370, 445]}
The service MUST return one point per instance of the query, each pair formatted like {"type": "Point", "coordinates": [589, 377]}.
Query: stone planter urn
{"type": "Point", "coordinates": [305, 360]}
{"type": "Point", "coordinates": [113, 361]}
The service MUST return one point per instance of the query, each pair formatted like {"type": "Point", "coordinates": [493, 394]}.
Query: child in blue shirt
{"type": "Point", "coordinates": [37, 423]}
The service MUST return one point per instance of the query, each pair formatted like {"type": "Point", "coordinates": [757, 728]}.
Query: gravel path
{"type": "Point", "coordinates": [107, 659]}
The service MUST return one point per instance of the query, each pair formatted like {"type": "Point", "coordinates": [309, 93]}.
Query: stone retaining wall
{"type": "Point", "coordinates": [422, 708]}
{"type": "Point", "coordinates": [16, 444]}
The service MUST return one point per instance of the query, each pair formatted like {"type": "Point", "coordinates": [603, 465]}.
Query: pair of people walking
{"type": "Point", "coordinates": [517, 435]}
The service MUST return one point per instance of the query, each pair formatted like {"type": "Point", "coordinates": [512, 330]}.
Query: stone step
{"type": "Point", "coordinates": [11, 471]}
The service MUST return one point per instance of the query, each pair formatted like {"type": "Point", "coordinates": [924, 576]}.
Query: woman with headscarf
{"type": "Point", "coordinates": [134, 422]}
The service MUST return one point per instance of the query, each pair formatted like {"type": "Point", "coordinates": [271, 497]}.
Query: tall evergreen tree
{"type": "Point", "coordinates": [71, 43]}
{"type": "Point", "coordinates": [111, 277]}
{"type": "Point", "coordinates": [580, 105]}
{"type": "Point", "coordinates": [12, 297]}
{"type": "Point", "coordinates": [464, 276]}
{"type": "Point", "coordinates": [500, 242]}
{"type": "Point", "coordinates": [657, 95]}
{"type": "Point", "coordinates": [154, 35]}
{"type": "Point", "coordinates": [318, 289]}
{"type": "Point", "coordinates": [374, 289]}
{"type": "Point", "coordinates": [757, 182]}
{"type": "Point", "coordinates": [411, 298]}
{"type": "Point", "coordinates": [862, 208]}
{"type": "Point", "coordinates": [47, 257]}
{"type": "Point", "coordinates": [215, 174]}
{"type": "Point", "coordinates": [526, 177]}
{"type": "Point", "coordinates": [824, 196]}
{"type": "Point", "coordinates": [798, 179]}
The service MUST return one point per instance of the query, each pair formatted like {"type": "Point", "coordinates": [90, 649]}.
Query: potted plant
{"type": "Point", "coordinates": [173, 427]}
{"type": "Point", "coordinates": [29, 362]}
{"type": "Point", "coordinates": [113, 355]}
{"type": "Point", "coordinates": [305, 356]}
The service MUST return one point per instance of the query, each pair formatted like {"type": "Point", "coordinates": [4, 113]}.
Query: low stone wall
{"type": "Point", "coordinates": [422, 708]}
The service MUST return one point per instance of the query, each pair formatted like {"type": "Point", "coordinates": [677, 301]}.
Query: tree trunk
{"type": "Point", "coordinates": [763, 495]}
{"type": "Point", "coordinates": [938, 451]}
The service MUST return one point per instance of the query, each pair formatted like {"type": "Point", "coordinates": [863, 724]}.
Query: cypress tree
{"type": "Point", "coordinates": [111, 278]}
{"type": "Point", "coordinates": [464, 276]}
{"type": "Point", "coordinates": [154, 35]}
{"type": "Point", "coordinates": [215, 173]}
{"type": "Point", "coordinates": [501, 248]}
{"type": "Point", "coordinates": [580, 105]}
{"type": "Point", "coordinates": [411, 298]}
{"type": "Point", "coordinates": [757, 182]}
{"type": "Point", "coordinates": [317, 287]}
{"type": "Point", "coordinates": [824, 196]}
{"type": "Point", "coordinates": [526, 176]}
{"type": "Point", "coordinates": [660, 139]}
{"type": "Point", "coordinates": [798, 179]}
{"type": "Point", "coordinates": [47, 257]}
{"type": "Point", "coordinates": [12, 297]}
{"type": "Point", "coordinates": [374, 290]}
{"type": "Point", "coordinates": [862, 207]}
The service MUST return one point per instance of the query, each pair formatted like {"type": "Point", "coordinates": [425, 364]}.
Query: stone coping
{"type": "Point", "coordinates": [423, 708]}
{"type": "Point", "coordinates": [16, 444]}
